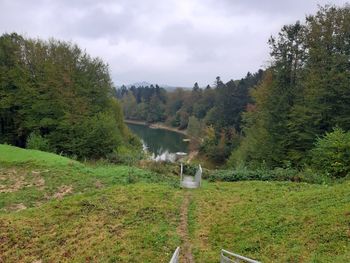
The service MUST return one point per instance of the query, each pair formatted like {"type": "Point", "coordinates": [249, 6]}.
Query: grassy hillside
{"type": "Point", "coordinates": [56, 209]}
{"type": "Point", "coordinates": [14, 155]}
{"type": "Point", "coordinates": [30, 178]}
{"type": "Point", "coordinates": [272, 221]}
{"type": "Point", "coordinates": [118, 224]}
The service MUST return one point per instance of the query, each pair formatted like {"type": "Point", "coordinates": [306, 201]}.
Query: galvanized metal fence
{"type": "Point", "coordinates": [198, 176]}
{"type": "Point", "coordinates": [229, 257]}
{"type": "Point", "coordinates": [176, 256]}
{"type": "Point", "coordinates": [187, 181]}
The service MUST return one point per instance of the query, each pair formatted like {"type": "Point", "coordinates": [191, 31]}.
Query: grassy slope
{"type": "Point", "coordinates": [121, 214]}
{"type": "Point", "coordinates": [14, 155]}
{"type": "Point", "coordinates": [30, 177]}
{"type": "Point", "coordinates": [119, 224]}
{"type": "Point", "coordinates": [272, 222]}
{"type": "Point", "coordinates": [111, 214]}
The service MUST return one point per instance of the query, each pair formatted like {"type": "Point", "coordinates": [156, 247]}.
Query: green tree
{"type": "Point", "coordinates": [331, 153]}
{"type": "Point", "coordinates": [195, 127]}
{"type": "Point", "coordinates": [324, 101]}
{"type": "Point", "coordinates": [62, 94]}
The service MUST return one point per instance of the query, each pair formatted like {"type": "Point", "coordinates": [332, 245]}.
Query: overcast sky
{"type": "Point", "coordinates": [174, 42]}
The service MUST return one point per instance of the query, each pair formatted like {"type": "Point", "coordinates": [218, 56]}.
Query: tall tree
{"type": "Point", "coordinates": [54, 89]}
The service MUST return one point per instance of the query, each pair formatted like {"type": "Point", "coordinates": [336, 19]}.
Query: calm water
{"type": "Point", "coordinates": [162, 144]}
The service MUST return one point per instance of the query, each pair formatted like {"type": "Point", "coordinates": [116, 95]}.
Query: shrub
{"type": "Point", "coordinates": [93, 137]}
{"type": "Point", "coordinates": [162, 168]}
{"type": "Point", "coordinates": [332, 154]}
{"type": "Point", "coordinates": [126, 155]}
{"type": "Point", "coordinates": [190, 169]}
{"type": "Point", "coordinates": [36, 142]}
{"type": "Point", "coordinates": [245, 174]}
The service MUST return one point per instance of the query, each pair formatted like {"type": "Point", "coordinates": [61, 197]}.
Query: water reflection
{"type": "Point", "coordinates": [162, 145]}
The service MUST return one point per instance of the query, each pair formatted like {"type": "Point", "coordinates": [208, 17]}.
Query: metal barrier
{"type": "Point", "coordinates": [188, 181]}
{"type": "Point", "coordinates": [198, 176]}
{"type": "Point", "coordinates": [229, 257]}
{"type": "Point", "coordinates": [176, 256]}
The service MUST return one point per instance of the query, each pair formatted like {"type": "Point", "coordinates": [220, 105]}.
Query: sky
{"type": "Point", "coordinates": [173, 42]}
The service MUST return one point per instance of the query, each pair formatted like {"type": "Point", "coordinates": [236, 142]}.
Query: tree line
{"type": "Point", "coordinates": [304, 95]}
{"type": "Point", "coordinates": [276, 117]}
{"type": "Point", "coordinates": [55, 97]}
{"type": "Point", "coordinates": [212, 114]}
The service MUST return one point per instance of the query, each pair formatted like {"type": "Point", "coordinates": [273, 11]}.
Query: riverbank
{"type": "Point", "coordinates": [157, 125]}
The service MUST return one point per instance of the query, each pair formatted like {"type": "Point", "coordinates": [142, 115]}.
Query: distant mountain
{"type": "Point", "coordinates": [145, 83]}
{"type": "Point", "coordinates": [139, 84]}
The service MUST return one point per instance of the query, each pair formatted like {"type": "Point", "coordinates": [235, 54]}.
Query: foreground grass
{"type": "Point", "coordinates": [29, 178]}
{"type": "Point", "coordinates": [272, 222]}
{"type": "Point", "coordinates": [53, 209]}
{"type": "Point", "coordinates": [118, 224]}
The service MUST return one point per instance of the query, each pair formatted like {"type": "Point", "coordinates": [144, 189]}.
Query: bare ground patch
{"type": "Point", "coordinates": [13, 180]}
{"type": "Point", "coordinates": [16, 207]}
{"type": "Point", "coordinates": [63, 191]}
{"type": "Point", "coordinates": [98, 184]}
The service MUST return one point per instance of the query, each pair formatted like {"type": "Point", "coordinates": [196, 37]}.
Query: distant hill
{"type": "Point", "coordinates": [145, 83]}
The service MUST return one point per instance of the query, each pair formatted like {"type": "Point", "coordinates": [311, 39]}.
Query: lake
{"type": "Point", "coordinates": [162, 144]}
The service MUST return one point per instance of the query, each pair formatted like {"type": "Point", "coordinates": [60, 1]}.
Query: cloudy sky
{"type": "Point", "coordinates": [174, 42]}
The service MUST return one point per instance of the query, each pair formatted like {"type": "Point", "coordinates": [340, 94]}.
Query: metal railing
{"type": "Point", "coordinates": [176, 256]}
{"type": "Point", "coordinates": [198, 176]}
{"type": "Point", "coordinates": [225, 257]}
{"type": "Point", "coordinates": [229, 257]}
{"type": "Point", "coordinates": [189, 181]}
{"type": "Point", "coordinates": [181, 173]}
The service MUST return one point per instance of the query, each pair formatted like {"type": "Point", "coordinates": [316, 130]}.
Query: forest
{"type": "Point", "coordinates": [57, 98]}
{"type": "Point", "coordinates": [282, 116]}
{"type": "Point", "coordinates": [213, 113]}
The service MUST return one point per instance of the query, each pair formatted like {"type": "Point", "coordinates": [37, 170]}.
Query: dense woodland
{"type": "Point", "coordinates": [304, 94]}
{"type": "Point", "coordinates": [213, 113]}
{"type": "Point", "coordinates": [57, 98]}
{"type": "Point", "coordinates": [276, 117]}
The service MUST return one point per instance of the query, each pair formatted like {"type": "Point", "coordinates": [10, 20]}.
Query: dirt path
{"type": "Point", "coordinates": [191, 156]}
{"type": "Point", "coordinates": [186, 249]}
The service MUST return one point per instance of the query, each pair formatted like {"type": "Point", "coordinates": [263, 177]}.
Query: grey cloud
{"type": "Point", "coordinates": [273, 7]}
{"type": "Point", "coordinates": [98, 23]}
{"type": "Point", "coordinates": [176, 42]}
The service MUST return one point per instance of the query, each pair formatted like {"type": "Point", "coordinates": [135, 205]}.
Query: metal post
{"type": "Point", "coordinates": [176, 256]}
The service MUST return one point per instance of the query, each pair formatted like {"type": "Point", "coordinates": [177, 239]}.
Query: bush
{"type": "Point", "coordinates": [93, 137]}
{"type": "Point", "coordinates": [332, 154]}
{"type": "Point", "coordinates": [126, 155]}
{"type": "Point", "coordinates": [162, 168]}
{"type": "Point", "coordinates": [190, 169]}
{"type": "Point", "coordinates": [36, 142]}
{"type": "Point", "coordinates": [245, 174]}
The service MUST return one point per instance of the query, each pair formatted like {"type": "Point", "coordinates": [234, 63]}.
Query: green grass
{"type": "Point", "coordinates": [15, 155]}
{"type": "Point", "coordinates": [107, 213]}
{"type": "Point", "coordinates": [30, 178]}
{"type": "Point", "coordinates": [272, 222]}
{"type": "Point", "coordinates": [118, 224]}
{"type": "Point", "coordinates": [77, 212]}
